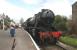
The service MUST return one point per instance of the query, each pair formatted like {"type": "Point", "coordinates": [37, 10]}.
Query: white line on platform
{"type": "Point", "coordinates": [33, 42]}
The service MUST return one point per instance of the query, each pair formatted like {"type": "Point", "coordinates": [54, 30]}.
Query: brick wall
{"type": "Point", "coordinates": [74, 17]}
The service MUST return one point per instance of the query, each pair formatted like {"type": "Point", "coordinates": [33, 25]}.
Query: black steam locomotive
{"type": "Point", "coordinates": [41, 29]}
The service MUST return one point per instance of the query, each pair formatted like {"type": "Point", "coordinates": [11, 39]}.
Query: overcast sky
{"type": "Point", "coordinates": [17, 9]}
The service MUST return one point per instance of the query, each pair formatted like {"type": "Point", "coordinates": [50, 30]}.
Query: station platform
{"type": "Point", "coordinates": [22, 40]}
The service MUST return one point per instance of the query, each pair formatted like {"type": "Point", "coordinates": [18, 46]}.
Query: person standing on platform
{"type": "Point", "coordinates": [12, 31]}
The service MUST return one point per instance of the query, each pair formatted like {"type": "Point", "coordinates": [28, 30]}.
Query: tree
{"type": "Point", "coordinates": [21, 21]}
{"type": "Point", "coordinates": [0, 22]}
{"type": "Point", "coordinates": [60, 23]}
{"type": "Point", "coordinates": [7, 20]}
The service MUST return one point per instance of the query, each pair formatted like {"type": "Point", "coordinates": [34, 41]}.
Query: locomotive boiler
{"type": "Point", "coordinates": [41, 27]}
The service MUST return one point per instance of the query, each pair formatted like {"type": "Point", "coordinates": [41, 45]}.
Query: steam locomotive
{"type": "Point", "coordinates": [41, 27]}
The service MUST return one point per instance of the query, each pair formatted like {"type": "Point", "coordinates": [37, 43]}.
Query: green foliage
{"type": "Point", "coordinates": [60, 23]}
{"type": "Point", "coordinates": [1, 22]}
{"type": "Point", "coordinates": [7, 20]}
{"type": "Point", "coordinates": [68, 40]}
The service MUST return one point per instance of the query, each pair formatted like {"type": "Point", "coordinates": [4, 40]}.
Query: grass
{"type": "Point", "coordinates": [68, 40]}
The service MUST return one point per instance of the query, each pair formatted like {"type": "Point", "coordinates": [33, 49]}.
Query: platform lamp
{"type": "Point", "coordinates": [3, 16]}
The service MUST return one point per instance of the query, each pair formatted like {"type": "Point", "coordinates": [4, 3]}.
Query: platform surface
{"type": "Point", "coordinates": [23, 40]}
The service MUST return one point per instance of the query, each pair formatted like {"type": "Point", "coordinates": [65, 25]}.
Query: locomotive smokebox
{"type": "Point", "coordinates": [47, 16]}
{"type": "Point", "coordinates": [47, 13]}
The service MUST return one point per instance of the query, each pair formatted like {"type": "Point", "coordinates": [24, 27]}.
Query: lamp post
{"type": "Point", "coordinates": [3, 16]}
{"type": "Point", "coordinates": [3, 24]}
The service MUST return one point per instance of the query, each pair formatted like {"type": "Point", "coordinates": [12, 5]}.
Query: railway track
{"type": "Point", "coordinates": [58, 46]}
{"type": "Point", "coordinates": [52, 47]}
